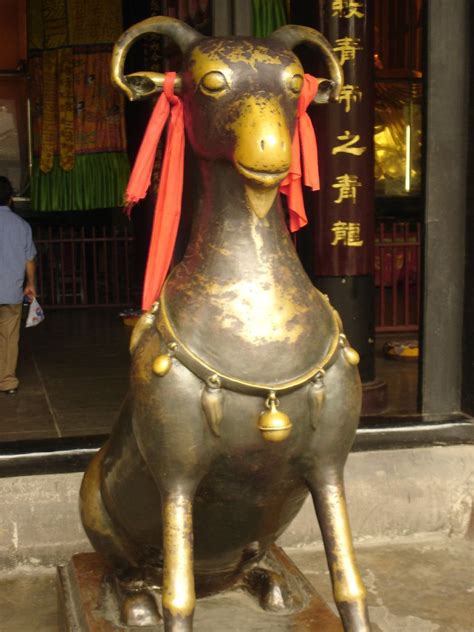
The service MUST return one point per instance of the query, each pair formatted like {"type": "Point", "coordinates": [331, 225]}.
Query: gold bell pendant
{"type": "Point", "coordinates": [162, 364]}
{"type": "Point", "coordinates": [273, 424]}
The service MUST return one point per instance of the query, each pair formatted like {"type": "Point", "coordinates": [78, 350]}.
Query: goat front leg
{"type": "Point", "coordinates": [327, 490]}
{"type": "Point", "coordinates": [179, 598]}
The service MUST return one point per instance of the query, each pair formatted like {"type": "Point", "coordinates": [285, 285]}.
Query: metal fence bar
{"type": "Point", "coordinates": [394, 292]}
{"type": "Point", "coordinates": [406, 277]}
{"type": "Point", "coordinates": [70, 274]}
{"type": "Point", "coordinates": [62, 296]}
{"type": "Point", "coordinates": [94, 259]}
{"type": "Point", "coordinates": [398, 276]}
{"type": "Point", "coordinates": [116, 284]}
{"type": "Point", "coordinates": [40, 273]}
{"type": "Point", "coordinates": [105, 267]}
{"type": "Point", "coordinates": [81, 267]}
{"type": "Point", "coordinates": [418, 274]}
{"type": "Point", "coordinates": [381, 276]}
{"type": "Point", "coordinates": [51, 269]}
{"type": "Point", "coordinates": [92, 268]}
{"type": "Point", "coordinates": [127, 269]}
{"type": "Point", "coordinates": [85, 295]}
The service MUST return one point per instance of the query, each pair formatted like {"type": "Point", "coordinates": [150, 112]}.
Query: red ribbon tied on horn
{"type": "Point", "coordinates": [168, 203]}
{"type": "Point", "coordinates": [304, 146]}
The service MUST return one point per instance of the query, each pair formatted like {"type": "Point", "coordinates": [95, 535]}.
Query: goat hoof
{"type": "Point", "coordinates": [140, 610]}
{"type": "Point", "coordinates": [272, 591]}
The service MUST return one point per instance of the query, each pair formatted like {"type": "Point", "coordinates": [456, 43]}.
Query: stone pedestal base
{"type": "Point", "coordinates": [87, 603]}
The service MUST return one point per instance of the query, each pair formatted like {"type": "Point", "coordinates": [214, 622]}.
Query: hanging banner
{"type": "Point", "coordinates": [344, 207]}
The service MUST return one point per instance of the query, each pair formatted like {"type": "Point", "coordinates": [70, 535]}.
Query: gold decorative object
{"type": "Point", "coordinates": [195, 483]}
{"type": "Point", "coordinates": [352, 356]}
{"type": "Point", "coordinates": [274, 424]}
{"type": "Point", "coordinates": [316, 398]}
{"type": "Point", "coordinates": [212, 401]}
{"type": "Point", "coordinates": [349, 352]}
{"type": "Point", "coordinates": [163, 363]}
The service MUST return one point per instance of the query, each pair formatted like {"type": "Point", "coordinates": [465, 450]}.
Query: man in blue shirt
{"type": "Point", "coordinates": [17, 260]}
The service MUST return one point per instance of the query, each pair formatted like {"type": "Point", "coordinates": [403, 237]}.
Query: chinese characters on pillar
{"type": "Point", "coordinates": [347, 48]}
{"type": "Point", "coordinates": [349, 94]}
{"type": "Point", "coordinates": [344, 217]}
{"type": "Point", "coordinates": [346, 186]}
{"type": "Point", "coordinates": [347, 233]}
{"type": "Point", "coordinates": [348, 9]}
{"type": "Point", "coordinates": [348, 146]}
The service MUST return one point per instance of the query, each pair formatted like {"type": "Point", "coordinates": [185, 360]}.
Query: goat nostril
{"type": "Point", "coordinates": [262, 145]}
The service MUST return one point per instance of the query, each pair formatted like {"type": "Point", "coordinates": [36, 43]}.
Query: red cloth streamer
{"type": "Point", "coordinates": [304, 145]}
{"type": "Point", "coordinates": [168, 203]}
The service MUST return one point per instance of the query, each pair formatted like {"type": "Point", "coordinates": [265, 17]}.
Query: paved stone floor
{"type": "Point", "coordinates": [416, 585]}
{"type": "Point", "coordinates": [73, 372]}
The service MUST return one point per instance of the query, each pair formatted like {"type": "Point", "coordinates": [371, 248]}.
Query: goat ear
{"type": "Point", "coordinates": [325, 90]}
{"type": "Point", "coordinates": [140, 85]}
{"type": "Point", "coordinates": [291, 35]}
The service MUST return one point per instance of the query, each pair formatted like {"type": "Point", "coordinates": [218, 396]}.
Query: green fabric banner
{"type": "Point", "coordinates": [268, 15]}
{"type": "Point", "coordinates": [97, 181]}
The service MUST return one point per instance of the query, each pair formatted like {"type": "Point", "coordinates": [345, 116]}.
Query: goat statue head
{"type": "Point", "coordinates": [240, 96]}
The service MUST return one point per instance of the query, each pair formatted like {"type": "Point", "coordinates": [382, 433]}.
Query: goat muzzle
{"type": "Point", "coordinates": [262, 153]}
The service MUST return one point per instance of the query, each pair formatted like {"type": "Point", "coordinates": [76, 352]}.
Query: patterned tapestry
{"type": "Point", "coordinates": [79, 144]}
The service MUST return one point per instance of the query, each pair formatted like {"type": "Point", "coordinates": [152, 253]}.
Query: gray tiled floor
{"type": "Point", "coordinates": [73, 372]}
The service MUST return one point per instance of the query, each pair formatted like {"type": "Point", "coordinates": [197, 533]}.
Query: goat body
{"type": "Point", "coordinates": [244, 394]}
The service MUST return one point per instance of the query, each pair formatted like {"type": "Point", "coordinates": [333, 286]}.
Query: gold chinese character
{"type": "Point", "coordinates": [347, 8]}
{"type": "Point", "coordinates": [347, 233]}
{"type": "Point", "coordinates": [348, 94]}
{"type": "Point", "coordinates": [347, 47]}
{"type": "Point", "coordinates": [353, 235]}
{"type": "Point", "coordinates": [347, 147]}
{"type": "Point", "coordinates": [347, 185]}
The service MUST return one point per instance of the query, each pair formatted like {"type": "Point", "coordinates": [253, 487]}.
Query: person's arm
{"type": "Point", "coordinates": [30, 289]}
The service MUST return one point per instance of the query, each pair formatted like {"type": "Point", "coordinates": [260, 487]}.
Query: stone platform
{"type": "Point", "coordinates": [87, 603]}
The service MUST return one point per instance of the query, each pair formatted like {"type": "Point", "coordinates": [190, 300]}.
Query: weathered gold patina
{"type": "Point", "coordinates": [244, 392]}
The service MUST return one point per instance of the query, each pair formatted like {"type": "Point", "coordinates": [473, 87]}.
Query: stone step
{"type": "Point", "coordinates": [391, 493]}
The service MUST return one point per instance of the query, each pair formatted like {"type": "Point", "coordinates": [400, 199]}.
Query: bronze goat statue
{"type": "Point", "coordinates": [244, 392]}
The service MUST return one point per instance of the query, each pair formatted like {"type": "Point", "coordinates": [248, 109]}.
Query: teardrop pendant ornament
{"type": "Point", "coordinates": [212, 401]}
{"type": "Point", "coordinates": [273, 424]}
{"type": "Point", "coordinates": [163, 363]}
{"type": "Point", "coordinates": [144, 323]}
{"type": "Point", "coordinates": [350, 354]}
{"type": "Point", "coordinates": [316, 396]}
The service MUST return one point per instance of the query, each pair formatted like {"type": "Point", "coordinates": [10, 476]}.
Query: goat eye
{"type": "Point", "coordinates": [296, 83]}
{"type": "Point", "coordinates": [214, 82]}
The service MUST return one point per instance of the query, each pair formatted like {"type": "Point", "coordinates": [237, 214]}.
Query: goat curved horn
{"type": "Point", "coordinates": [291, 35]}
{"type": "Point", "coordinates": [146, 83]}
